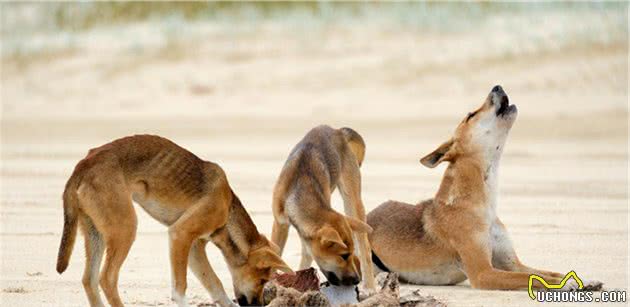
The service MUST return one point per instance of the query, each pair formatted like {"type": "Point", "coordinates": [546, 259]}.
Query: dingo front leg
{"type": "Point", "coordinates": [350, 188]}
{"type": "Point", "coordinates": [199, 265]}
{"type": "Point", "coordinates": [504, 256]}
{"type": "Point", "coordinates": [307, 259]}
{"type": "Point", "coordinates": [477, 260]}
{"type": "Point", "coordinates": [203, 218]}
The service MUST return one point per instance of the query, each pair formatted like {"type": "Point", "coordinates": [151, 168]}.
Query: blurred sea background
{"type": "Point", "coordinates": [400, 44]}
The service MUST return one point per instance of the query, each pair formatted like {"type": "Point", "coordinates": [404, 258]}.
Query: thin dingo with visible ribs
{"type": "Point", "coordinates": [190, 196]}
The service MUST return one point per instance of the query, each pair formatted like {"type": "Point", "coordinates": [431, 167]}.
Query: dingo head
{"type": "Point", "coordinates": [481, 134]}
{"type": "Point", "coordinates": [332, 248]}
{"type": "Point", "coordinates": [248, 279]}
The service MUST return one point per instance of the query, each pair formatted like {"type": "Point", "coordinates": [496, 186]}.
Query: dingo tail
{"type": "Point", "coordinates": [70, 215]}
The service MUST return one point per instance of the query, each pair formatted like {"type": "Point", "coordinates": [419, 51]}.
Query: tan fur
{"type": "Point", "coordinates": [325, 159]}
{"type": "Point", "coordinates": [457, 235]}
{"type": "Point", "coordinates": [190, 196]}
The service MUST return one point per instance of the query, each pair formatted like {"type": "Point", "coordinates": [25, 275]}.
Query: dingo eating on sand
{"type": "Point", "coordinates": [323, 160]}
{"type": "Point", "coordinates": [190, 196]}
{"type": "Point", "coordinates": [457, 234]}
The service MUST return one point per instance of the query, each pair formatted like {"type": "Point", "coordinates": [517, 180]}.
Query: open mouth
{"type": "Point", "coordinates": [505, 108]}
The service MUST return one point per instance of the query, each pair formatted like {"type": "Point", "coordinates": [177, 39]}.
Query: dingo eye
{"type": "Point", "coordinates": [470, 115]}
{"type": "Point", "coordinates": [345, 256]}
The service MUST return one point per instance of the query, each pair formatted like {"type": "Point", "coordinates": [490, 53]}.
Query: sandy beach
{"type": "Point", "coordinates": [244, 96]}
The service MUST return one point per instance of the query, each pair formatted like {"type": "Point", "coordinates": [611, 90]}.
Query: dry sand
{"type": "Point", "coordinates": [243, 100]}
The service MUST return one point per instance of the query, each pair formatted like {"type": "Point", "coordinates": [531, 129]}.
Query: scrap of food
{"type": "Point", "coordinates": [303, 288]}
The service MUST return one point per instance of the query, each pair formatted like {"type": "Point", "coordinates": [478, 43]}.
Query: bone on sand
{"type": "Point", "coordinates": [302, 288]}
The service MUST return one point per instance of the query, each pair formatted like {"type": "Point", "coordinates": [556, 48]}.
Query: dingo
{"type": "Point", "coordinates": [325, 159]}
{"type": "Point", "coordinates": [457, 234]}
{"type": "Point", "coordinates": [190, 196]}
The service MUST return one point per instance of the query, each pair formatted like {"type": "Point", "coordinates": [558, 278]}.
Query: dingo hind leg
{"type": "Point", "coordinates": [280, 228]}
{"type": "Point", "coordinates": [279, 235]}
{"type": "Point", "coordinates": [118, 243]}
{"type": "Point", "coordinates": [106, 200]}
{"type": "Point", "coordinates": [94, 248]}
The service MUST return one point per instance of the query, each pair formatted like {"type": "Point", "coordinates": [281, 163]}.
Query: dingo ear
{"type": "Point", "coordinates": [358, 226]}
{"type": "Point", "coordinates": [329, 236]}
{"type": "Point", "coordinates": [442, 153]}
{"type": "Point", "coordinates": [266, 258]}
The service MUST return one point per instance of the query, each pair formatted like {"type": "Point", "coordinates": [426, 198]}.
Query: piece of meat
{"type": "Point", "coordinates": [304, 280]}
